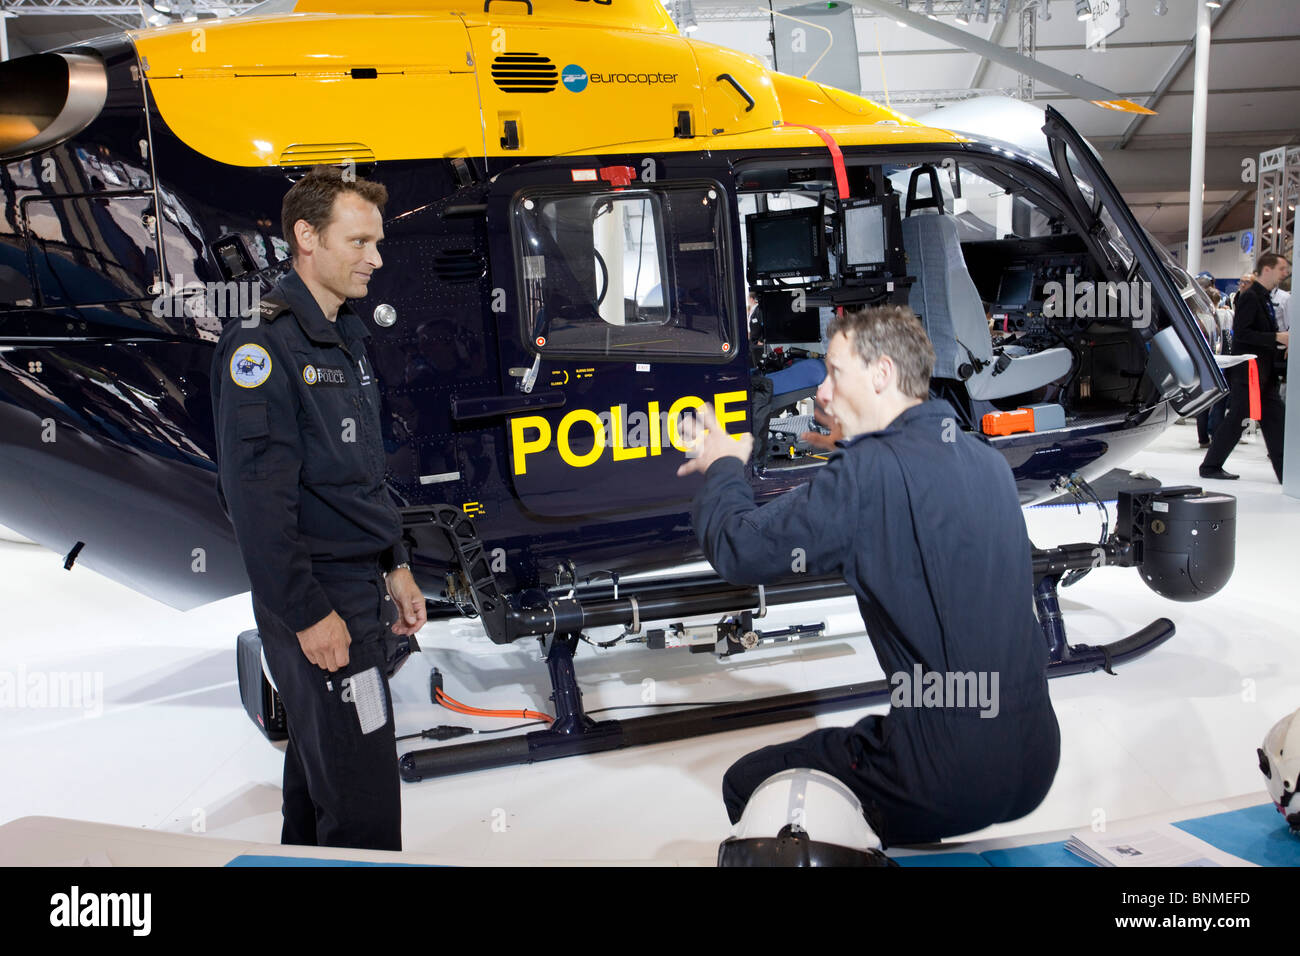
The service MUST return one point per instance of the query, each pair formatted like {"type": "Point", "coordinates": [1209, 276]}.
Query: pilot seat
{"type": "Point", "coordinates": [949, 306]}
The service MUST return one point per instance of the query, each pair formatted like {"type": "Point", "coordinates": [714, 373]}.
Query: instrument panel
{"type": "Point", "coordinates": [1030, 285]}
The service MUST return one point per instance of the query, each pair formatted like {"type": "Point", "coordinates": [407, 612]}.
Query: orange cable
{"type": "Point", "coordinates": [452, 704]}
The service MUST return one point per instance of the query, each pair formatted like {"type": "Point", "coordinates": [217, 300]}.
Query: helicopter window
{"type": "Point", "coordinates": [92, 249]}
{"type": "Point", "coordinates": [625, 231]}
{"type": "Point", "coordinates": [986, 209]}
{"type": "Point", "coordinates": [628, 272]}
{"type": "Point", "coordinates": [1112, 241]}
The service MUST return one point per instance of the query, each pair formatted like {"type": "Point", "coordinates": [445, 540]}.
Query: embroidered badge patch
{"type": "Point", "coordinates": [325, 376]}
{"type": "Point", "coordinates": [250, 366]}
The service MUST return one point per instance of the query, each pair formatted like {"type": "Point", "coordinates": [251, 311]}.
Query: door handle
{"type": "Point", "coordinates": [739, 89]}
{"type": "Point", "coordinates": [491, 405]}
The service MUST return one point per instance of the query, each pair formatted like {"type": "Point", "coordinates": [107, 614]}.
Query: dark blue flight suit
{"type": "Point", "coordinates": [923, 522]}
{"type": "Point", "coordinates": [301, 476]}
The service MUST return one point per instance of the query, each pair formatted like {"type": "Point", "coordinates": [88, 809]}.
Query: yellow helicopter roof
{"type": "Point", "coordinates": [418, 79]}
{"type": "Point", "coordinates": [627, 14]}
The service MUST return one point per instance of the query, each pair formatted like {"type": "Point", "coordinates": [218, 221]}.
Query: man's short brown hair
{"type": "Point", "coordinates": [892, 330]}
{"type": "Point", "coordinates": [312, 198]}
{"type": "Point", "coordinates": [1267, 261]}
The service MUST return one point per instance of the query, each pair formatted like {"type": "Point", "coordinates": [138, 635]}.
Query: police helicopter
{"type": "Point", "coordinates": [579, 199]}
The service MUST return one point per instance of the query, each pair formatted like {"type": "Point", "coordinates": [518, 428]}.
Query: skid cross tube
{"type": "Point", "coordinates": [717, 718]}
{"type": "Point", "coordinates": [574, 732]}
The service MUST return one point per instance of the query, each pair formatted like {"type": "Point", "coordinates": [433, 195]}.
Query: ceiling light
{"type": "Point", "coordinates": [984, 11]}
{"type": "Point", "coordinates": [1082, 10]}
{"type": "Point", "coordinates": [1162, 7]}
{"type": "Point", "coordinates": [967, 11]}
{"type": "Point", "coordinates": [1214, 4]}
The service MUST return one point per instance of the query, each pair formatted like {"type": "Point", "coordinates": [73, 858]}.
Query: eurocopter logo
{"type": "Point", "coordinates": [576, 78]}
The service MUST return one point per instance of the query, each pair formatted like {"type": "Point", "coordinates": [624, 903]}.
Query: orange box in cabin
{"type": "Point", "coordinates": [1008, 423]}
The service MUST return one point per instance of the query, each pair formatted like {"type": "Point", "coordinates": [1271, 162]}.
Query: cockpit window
{"type": "Point", "coordinates": [985, 209]}
{"type": "Point", "coordinates": [1112, 241]}
{"type": "Point", "coordinates": [611, 273]}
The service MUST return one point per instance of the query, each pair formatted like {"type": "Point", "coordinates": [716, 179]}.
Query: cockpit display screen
{"type": "Point", "coordinates": [864, 236]}
{"type": "Point", "coordinates": [1016, 288]}
{"type": "Point", "coordinates": [787, 243]}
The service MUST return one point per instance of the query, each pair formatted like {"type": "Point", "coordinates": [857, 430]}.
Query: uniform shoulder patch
{"type": "Point", "coordinates": [269, 309]}
{"type": "Point", "coordinates": [250, 366]}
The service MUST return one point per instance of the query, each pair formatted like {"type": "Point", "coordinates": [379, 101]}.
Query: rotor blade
{"type": "Point", "coordinates": [1097, 95]}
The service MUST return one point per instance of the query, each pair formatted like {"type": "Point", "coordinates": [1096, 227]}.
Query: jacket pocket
{"type": "Point", "coordinates": [333, 434]}
{"type": "Point", "coordinates": [253, 428]}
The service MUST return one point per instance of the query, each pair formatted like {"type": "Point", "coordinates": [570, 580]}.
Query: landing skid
{"type": "Point", "coordinates": [1181, 541]}
{"type": "Point", "coordinates": [574, 732]}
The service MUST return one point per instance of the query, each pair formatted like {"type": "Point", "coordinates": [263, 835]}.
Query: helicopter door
{"type": "Point", "coordinates": [626, 322]}
{"type": "Point", "coordinates": [1124, 248]}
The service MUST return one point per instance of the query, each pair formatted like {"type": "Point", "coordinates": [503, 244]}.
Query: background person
{"type": "Point", "coordinates": [1254, 331]}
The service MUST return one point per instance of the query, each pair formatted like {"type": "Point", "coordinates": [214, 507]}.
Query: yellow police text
{"type": "Point", "coordinates": [583, 437]}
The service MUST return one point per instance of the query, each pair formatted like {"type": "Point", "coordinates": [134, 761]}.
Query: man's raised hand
{"type": "Point", "coordinates": [816, 439]}
{"type": "Point", "coordinates": [707, 441]}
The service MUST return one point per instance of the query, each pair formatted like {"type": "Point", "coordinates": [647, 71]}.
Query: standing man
{"type": "Point", "coordinates": [301, 476]}
{"type": "Point", "coordinates": [1254, 330]}
{"type": "Point", "coordinates": [924, 523]}
{"type": "Point", "coordinates": [754, 322]}
{"type": "Point", "coordinates": [1242, 285]}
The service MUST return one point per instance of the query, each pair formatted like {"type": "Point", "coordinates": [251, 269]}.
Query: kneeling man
{"type": "Point", "coordinates": [924, 523]}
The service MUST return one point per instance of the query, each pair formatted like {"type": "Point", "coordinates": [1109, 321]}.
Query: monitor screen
{"type": "Point", "coordinates": [1016, 288]}
{"type": "Point", "coordinates": [783, 324]}
{"type": "Point", "coordinates": [784, 244]}
{"type": "Point", "coordinates": [864, 236]}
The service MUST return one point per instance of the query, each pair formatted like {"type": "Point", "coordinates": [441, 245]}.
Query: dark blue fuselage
{"type": "Point", "coordinates": [106, 432]}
